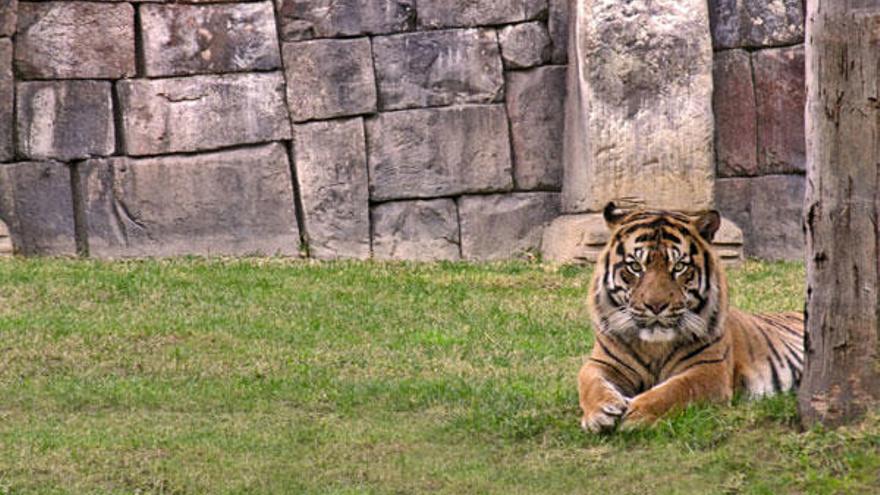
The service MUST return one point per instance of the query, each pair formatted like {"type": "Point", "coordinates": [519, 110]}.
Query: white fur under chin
{"type": "Point", "coordinates": [658, 334]}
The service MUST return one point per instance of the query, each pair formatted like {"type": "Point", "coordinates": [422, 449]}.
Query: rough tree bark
{"type": "Point", "coordinates": [842, 377]}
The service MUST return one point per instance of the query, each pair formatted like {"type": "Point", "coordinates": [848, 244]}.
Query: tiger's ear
{"type": "Point", "coordinates": [613, 215]}
{"type": "Point", "coordinates": [707, 223]}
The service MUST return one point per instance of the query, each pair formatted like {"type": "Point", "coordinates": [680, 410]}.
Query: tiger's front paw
{"type": "Point", "coordinates": [605, 416]}
{"type": "Point", "coordinates": [640, 413]}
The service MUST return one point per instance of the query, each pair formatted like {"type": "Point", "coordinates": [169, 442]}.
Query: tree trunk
{"type": "Point", "coordinates": [842, 377]}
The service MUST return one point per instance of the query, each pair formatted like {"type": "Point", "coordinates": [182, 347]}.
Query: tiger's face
{"type": "Point", "coordinates": [657, 279]}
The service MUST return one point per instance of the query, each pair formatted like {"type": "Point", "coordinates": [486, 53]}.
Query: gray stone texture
{"type": "Point", "coordinates": [639, 124]}
{"type": "Point", "coordinates": [438, 68]}
{"type": "Point", "coordinates": [331, 168]}
{"type": "Point", "coordinates": [438, 152]}
{"type": "Point", "coordinates": [329, 78]}
{"type": "Point", "coordinates": [456, 13]}
{"type": "Point", "coordinates": [781, 96]}
{"type": "Point", "coordinates": [756, 23]}
{"type": "Point", "coordinates": [504, 226]}
{"type": "Point", "coordinates": [37, 205]}
{"type": "Point", "coordinates": [416, 230]}
{"type": "Point", "coordinates": [536, 108]}
{"type": "Point", "coordinates": [202, 112]}
{"type": "Point", "coordinates": [7, 100]}
{"type": "Point", "coordinates": [65, 120]}
{"type": "Point", "coordinates": [525, 45]}
{"type": "Point", "coordinates": [8, 17]}
{"type": "Point", "coordinates": [558, 24]}
{"type": "Point", "coordinates": [735, 114]}
{"type": "Point", "coordinates": [769, 210]}
{"type": "Point", "coordinates": [75, 40]}
{"type": "Point", "coordinates": [307, 19]}
{"type": "Point", "coordinates": [197, 39]}
{"type": "Point", "coordinates": [229, 203]}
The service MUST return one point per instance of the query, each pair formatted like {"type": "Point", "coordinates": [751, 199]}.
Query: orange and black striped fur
{"type": "Point", "coordinates": [665, 336]}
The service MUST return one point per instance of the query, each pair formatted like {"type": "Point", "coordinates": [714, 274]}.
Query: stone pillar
{"type": "Point", "coordinates": [639, 126]}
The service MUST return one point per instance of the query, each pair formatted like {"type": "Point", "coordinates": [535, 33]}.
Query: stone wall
{"type": "Point", "coordinates": [351, 128]}
{"type": "Point", "coordinates": [391, 129]}
{"type": "Point", "coordinates": [759, 121]}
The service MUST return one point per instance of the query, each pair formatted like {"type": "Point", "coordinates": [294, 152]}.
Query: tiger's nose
{"type": "Point", "coordinates": [657, 307]}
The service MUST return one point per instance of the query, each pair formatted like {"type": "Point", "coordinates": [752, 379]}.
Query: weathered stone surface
{"type": "Point", "coordinates": [7, 99]}
{"type": "Point", "coordinates": [329, 78]}
{"type": "Point", "coordinates": [236, 202]}
{"type": "Point", "coordinates": [735, 117]}
{"type": "Point", "coordinates": [575, 238]}
{"type": "Point", "coordinates": [306, 19]}
{"type": "Point", "coordinates": [438, 152]}
{"type": "Point", "coordinates": [65, 120]}
{"type": "Point", "coordinates": [776, 214]}
{"type": "Point", "coordinates": [416, 230]}
{"type": "Point", "coordinates": [37, 205]}
{"type": "Point", "coordinates": [639, 120]}
{"type": "Point", "coordinates": [781, 96]}
{"type": "Point", "coordinates": [331, 167]}
{"type": "Point", "coordinates": [733, 198]}
{"type": "Point", "coordinates": [6, 247]}
{"type": "Point", "coordinates": [438, 68]}
{"type": "Point", "coordinates": [505, 226]}
{"type": "Point", "coordinates": [756, 23]}
{"type": "Point", "coordinates": [455, 13]}
{"type": "Point", "coordinates": [536, 108]}
{"type": "Point", "coordinates": [769, 210]}
{"type": "Point", "coordinates": [525, 45]}
{"type": "Point", "coordinates": [202, 112]}
{"type": "Point", "coordinates": [197, 39]}
{"type": "Point", "coordinates": [8, 17]}
{"type": "Point", "coordinates": [75, 40]}
{"type": "Point", "coordinates": [557, 24]}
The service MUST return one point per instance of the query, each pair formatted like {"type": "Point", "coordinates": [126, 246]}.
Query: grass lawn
{"type": "Point", "coordinates": [274, 376]}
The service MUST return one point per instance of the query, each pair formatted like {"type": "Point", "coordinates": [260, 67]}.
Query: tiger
{"type": "Point", "coordinates": [665, 336]}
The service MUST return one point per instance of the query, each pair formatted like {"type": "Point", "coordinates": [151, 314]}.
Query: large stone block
{"type": "Point", "coordinates": [735, 115]}
{"type": "Point", "coordinates": [557, 24]}
{"type": "Point", "coordinates": [536, 108]}
{"type": "Point", "coordinates": [639, 124]}
{"type": "Point", "coordinates": [438, 68]}
{"type": "Point", "coordinates": [756, 23]}
{"type": "Point", "coordinates": [331, 168]}
{"type": "Point", "coordinates": [769, 209]}
{"type": "Point", "coordinates": [306, 19]}
{"type": "Point", "coordinates": [416, 230]}
{"type": "Point", "coordinates": [7, 100]}
{"type": "Point", "coordinates": [36, 203]}
{"type": "Point", "coordinates": [197, 39]}
{"type": "Point", "coordinates": [8, 17]}
{"type": "Point", "coordinates": [202, 112]}
{"type": "Point", "coordinates": [776, 214]}
{"type": "Point", "coordinates": [229, 203]}
{"type": "Point", "coordinates": [455, 13]}
{"type": "Point", "coordinates": [504, 226]}
{"type": "Point", "coordinates": [781, 96]}
{"type": "Point", "coordinates": [65, 120]}
{"type": "Point", "coordinates": [438, 152]}
{"type": "Point", "coordinates": [525, 45]}
{"type": "Point", "coordinates": [75, 40]}
{"type": "Point", "coordinates": [329, 78]}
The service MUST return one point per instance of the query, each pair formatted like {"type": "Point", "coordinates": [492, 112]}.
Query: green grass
{"type": "Point", "coordinates": [272, 376]}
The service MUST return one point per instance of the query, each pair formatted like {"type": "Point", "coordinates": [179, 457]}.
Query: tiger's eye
{"type": "Point", "coordinates": [634, 266]}
{"type": "Point", "coordinates": [679, 267]}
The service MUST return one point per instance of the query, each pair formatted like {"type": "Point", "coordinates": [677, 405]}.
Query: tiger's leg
{"type": "Point", "coordinates": [709, 382]}
{"type": "Point", "coordinates": [600, 398]}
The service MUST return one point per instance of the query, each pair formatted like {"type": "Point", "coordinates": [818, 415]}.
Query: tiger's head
{"type": "Point", "coordinates": [658, 279]}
